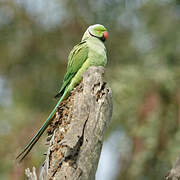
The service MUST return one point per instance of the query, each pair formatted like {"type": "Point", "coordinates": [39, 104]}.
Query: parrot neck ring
{"type": "Point", "coordinates": [102, 38]}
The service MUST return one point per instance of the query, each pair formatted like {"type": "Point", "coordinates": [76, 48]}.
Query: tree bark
{"type": "Point", "coordinates": [174, 173]}
{"type": "Point", "coordinates": [78, 129]}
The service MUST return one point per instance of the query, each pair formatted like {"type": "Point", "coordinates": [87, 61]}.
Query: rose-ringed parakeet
{"type": "Point", "coordinates": [89, 52]}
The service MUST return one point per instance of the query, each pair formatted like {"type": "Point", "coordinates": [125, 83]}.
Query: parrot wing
{"type": "Point", "coordinates": [76, 59]}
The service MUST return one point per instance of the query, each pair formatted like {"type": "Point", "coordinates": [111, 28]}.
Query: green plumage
{"type": "Point", "coordinates": [77, 57]}
{"type": "Point", "coordinates": [90, 51]}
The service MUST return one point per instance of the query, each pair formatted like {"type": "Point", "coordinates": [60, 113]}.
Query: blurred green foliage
{"type": "Point", "coordinates": [143, 71]}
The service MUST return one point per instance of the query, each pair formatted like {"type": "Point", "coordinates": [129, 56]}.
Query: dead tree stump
{"type": "Point", "coordinates": [78, 129]}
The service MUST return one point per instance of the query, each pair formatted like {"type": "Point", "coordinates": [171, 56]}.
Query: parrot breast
{"type": "Point", "coordinates": [97, 52]}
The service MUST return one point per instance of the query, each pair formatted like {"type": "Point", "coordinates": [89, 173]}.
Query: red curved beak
{"type": "Point", "coordinates": [105, 35]}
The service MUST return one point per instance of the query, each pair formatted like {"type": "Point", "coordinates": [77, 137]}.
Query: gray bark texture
{"type": "Point", "coordinates": [174, 173]}
{"type": "Point", "coordinates": [78, 129]}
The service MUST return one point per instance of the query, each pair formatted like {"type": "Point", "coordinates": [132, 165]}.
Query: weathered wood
{"type": "Point", "coordinates": [78, 130]}
{"type": "Point", "coordinates": [174, 173]}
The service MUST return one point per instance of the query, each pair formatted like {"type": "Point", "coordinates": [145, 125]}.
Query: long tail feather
{"type": "Point", "coordinates": [33, 141]}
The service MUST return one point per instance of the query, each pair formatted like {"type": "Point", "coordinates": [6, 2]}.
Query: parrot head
{"type": "Point", "coordinates": [96, 30]}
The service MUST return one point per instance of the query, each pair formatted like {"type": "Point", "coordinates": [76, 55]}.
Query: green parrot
{"type": "Point", "coordinates": [89, 52]}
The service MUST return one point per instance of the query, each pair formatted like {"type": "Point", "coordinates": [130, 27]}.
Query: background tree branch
{"type": "Point", "coordinates": [174, 173]}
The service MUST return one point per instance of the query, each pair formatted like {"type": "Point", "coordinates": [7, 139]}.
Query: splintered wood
{"type": "Point", "coordinates": [76, 133]}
